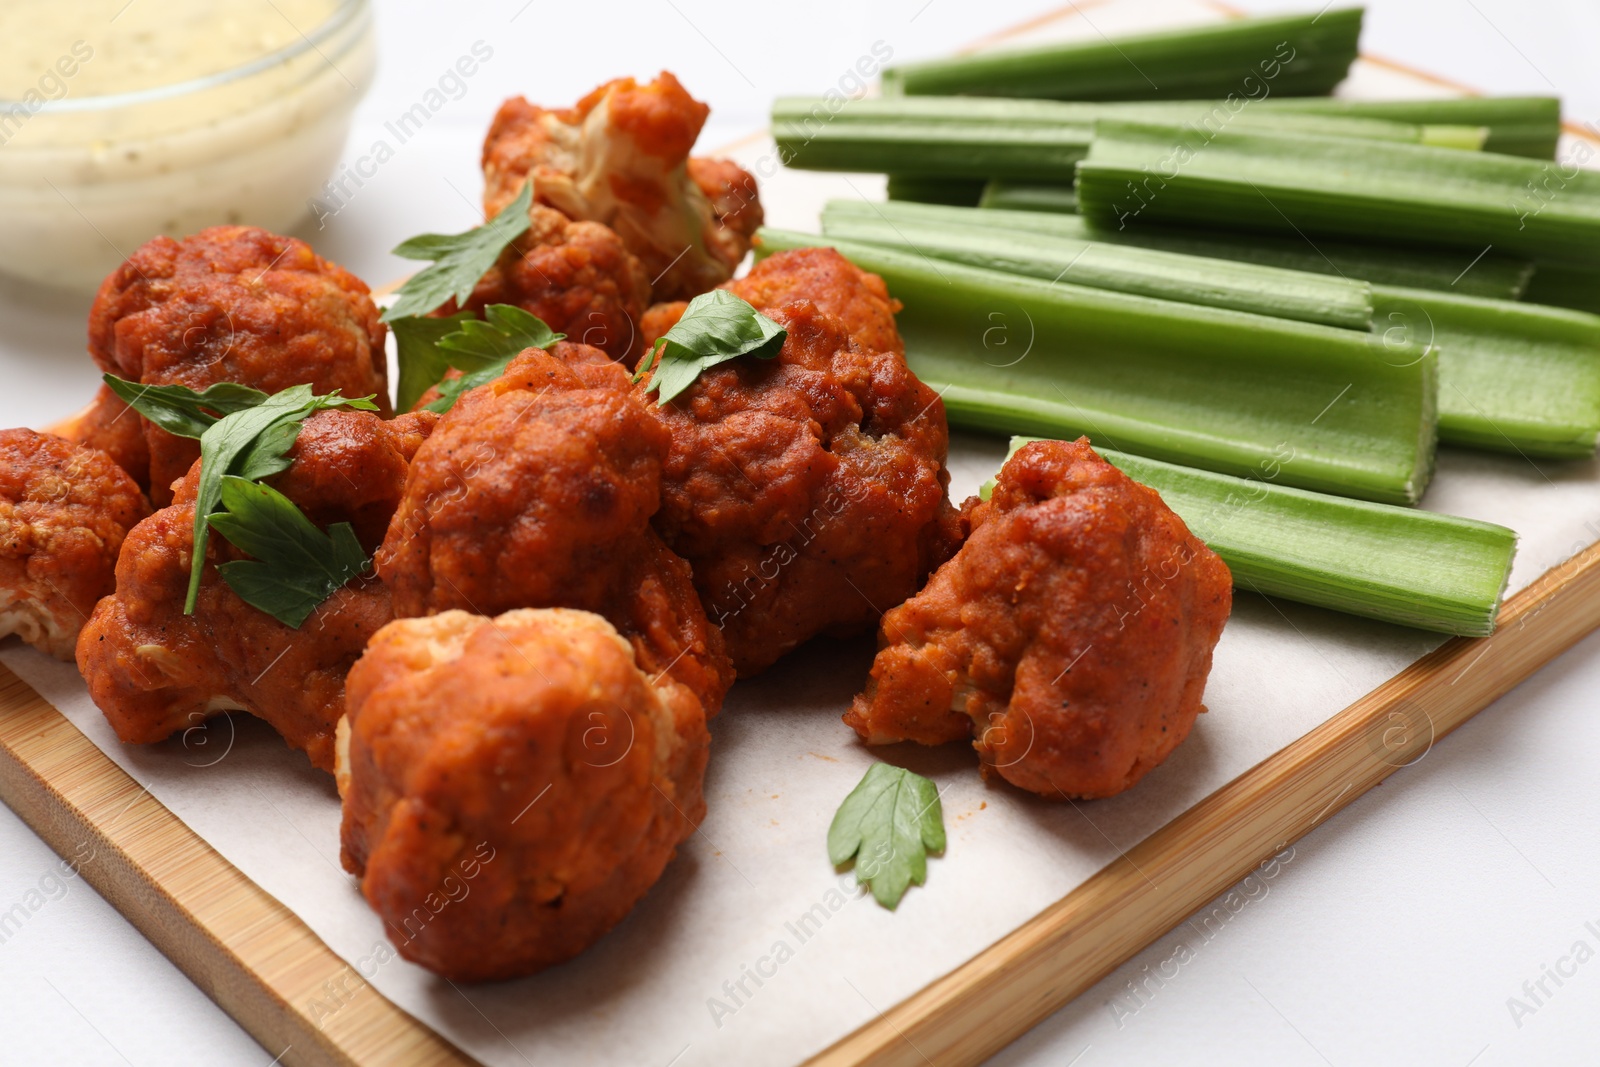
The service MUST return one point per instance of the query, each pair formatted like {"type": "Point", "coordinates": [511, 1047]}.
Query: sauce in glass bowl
{"type": "Point", "coordinates": [122, 119]}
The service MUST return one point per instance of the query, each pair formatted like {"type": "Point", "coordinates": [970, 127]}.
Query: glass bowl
{"type": "Point", "coordinates": [86, 180]}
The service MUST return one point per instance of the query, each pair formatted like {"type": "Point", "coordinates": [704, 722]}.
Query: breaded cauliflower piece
{"type": "Point", "coordinates": [512, 786]}
{"type": "Point", "coordinates": [64, 512]}
{"type": "Point", "coordinates": [114, 428]}
{"type": "Point", "coordinates": [1070, 636]}
{"type": "Point", "coordinates": [807, 491]}
{"type": "Point", "coordinates": [576, 276]}
{"type": "Point", "coordinates": [233, 304]}
{"type": "Point", "coordinates": [536, 491]}
{"type": "Point", "coordinates": [621, 157]}
{"type": "Point", "coordinates": [155, 671]}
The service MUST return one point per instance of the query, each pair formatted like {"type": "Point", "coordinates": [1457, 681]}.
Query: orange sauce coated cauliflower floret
{"type": "Point", "coordinates": [536, 491]}
{"type": "Point", "coordinates": [64, 512]}
{"type": "Point", "coordinates": [808, 490]}
{"type": "Point", "coordinates": [229, 304]}
{"type": "Point", "coordinates": [155, 671]}
{"type": "Point", "coordinates": [1070, 637]}
{"type": "Point", "coordinates": [512, 786]}
{"type": "Point", "coordinates": [621, 157]}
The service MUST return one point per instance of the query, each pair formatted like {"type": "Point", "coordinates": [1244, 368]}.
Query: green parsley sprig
{"type": "Point", "coordinates": [888, 824]}
{"type": "Point", "coordinates": [459, 259]}
{"type": "Point", "coordinates": [716, 327]}
{"type": "Point", "coordinates": [245, 436]}
{"type": "Point", "coordinates": [478, 348]}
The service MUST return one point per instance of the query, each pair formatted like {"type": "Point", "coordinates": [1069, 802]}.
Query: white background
{"type": "Point", "coordinates": [1393, 934]}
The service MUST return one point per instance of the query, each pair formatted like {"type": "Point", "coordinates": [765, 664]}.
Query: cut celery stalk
{"type": "Point", "coordinates": [1284, 294]}
{"type": "Point", "coordinates": [1224, 390]}
{"type": "Point", "coordinates": [1517, 125]}
{"type": "Point", "coordinates": [955, 192]}
{"type": "Point", "coordinates": [1492, 275]}
{"type": "Point", "coordinates": [1299, 54]}
{"type": "Point", "coordinates": [958, 137]}
{"type": "Point", "coordinates": [1512, 377]}
{"type": "Point", "coordinates": [1402, 565]}
{"type": "Point", "coordinates": [1140, 174]}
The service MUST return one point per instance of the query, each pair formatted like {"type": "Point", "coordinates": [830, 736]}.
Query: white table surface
{"type": "Point", "coordinates": [1398, 932]}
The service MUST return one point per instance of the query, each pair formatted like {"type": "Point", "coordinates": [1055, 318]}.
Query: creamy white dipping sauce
{"type": "Point", "coordinates": [121, 120]}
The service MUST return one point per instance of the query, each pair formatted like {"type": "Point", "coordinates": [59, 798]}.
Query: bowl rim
{"type": "Point", "coordinates": [347, 12]}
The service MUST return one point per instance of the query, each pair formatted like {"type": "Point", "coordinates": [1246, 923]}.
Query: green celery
{"type": "Point", "coordinates": [1284, 294]}
{"type": "Point", "coordinates": [1138, 174]}
{"type": "Point", "coordinates": [1516, 125]}
{"type": "Point", "coordinates": [1402, 565]}
{"type": "Point", "coordinates": [1225, 390]}
{"type": "Point", "coordinates": [1298, 54]}
{"type": "Point", "coordinates": [956, 137]}
{"type": "Point", "coordinates": [1512, 377]}
{"type": "Point", "coordinates": [1492, 275]}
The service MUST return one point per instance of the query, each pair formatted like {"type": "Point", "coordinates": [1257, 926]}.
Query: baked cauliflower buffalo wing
{"type": "Point", "coordinates": [229, 304]}
{"type": "Point", "coordinates": [155, 671]}
{"type": "Point", "coordinates": [64, 512]}
{"type": "Point", "coordinates": [536, 491]}
{"type": "Point", "coordinates": [807, 491]}
{"type": "Point", "coordinates": [577, 276]}
{"type": "Point", "coordinates": [621, 157]}
{"type": "Point", "coordinates": [512, 786]}
{"type": "Point", "coordinates": [1070, 636]}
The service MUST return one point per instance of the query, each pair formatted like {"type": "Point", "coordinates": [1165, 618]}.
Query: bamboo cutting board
{"type": "Point", "coordinates": [306, 1005]}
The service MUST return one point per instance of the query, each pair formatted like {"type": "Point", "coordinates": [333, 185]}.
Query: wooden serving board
{"type": "Point", "coordinates": [265, 967]}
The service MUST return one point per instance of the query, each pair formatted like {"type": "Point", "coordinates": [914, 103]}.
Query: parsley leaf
{"type": "Point", "coordinates": [295, 566]}
{"type": "Point", "coordinates": [459, 259]}
{"type": "Point", "coordinates": [180, 410]}
{"type": "Point", "coordinates": [422, 362]}
{"type": "Point", "coordinates": [889, 823]}
{"type": "Point", "coordinates": [716, 327]}
{"type": "Point", "coordinates": [251, 441]}
{"type": "Point", "coordinates": [479, 348]}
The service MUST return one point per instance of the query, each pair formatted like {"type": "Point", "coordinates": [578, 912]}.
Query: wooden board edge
{"type": "Point", "coordinates": [986, 1003]}
{"type": "Point", "coordinates": [250, 954]}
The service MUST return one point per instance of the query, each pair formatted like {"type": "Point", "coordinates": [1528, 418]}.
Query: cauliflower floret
{"type": "Point", "coordinates": [621, 157]}
{"type": "Point", "coordinates": [1070, 636]}
{"type": "Point", "coordinates": [536, 491]}
{"type": "Point", "coordinates": [576, 276]}
{"type": "Point", "coordinates": [512, 786]}
{"type": "Point", "coordinates": [155, 671]}
{"type": "Point", "coordinates": [64, 512]}
{"type": "Point", "coordinates": [230, 304]}
{"type": "Point", "coordinates": [807, 491]}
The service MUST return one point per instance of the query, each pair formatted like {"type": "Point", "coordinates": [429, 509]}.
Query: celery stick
{"type": "Point", "coordinates": [1284, 294]}
{"type": "Point", "coordinates": [1139, 174]}
{"type": "Point", "coordinates": [1238, 393]}
{"type": "Point", "coordinates": [1416, 568]}
{"type": "Point", "coordinates": [1003, 195]}
{"type": "Point", "coordinates": [1517, 125]}
{"type": "Point", "coordinates": [1492, 275]}
{"type": "Point", "coordinates": [955, 192]}
{"type": "Point", "coordinates": [956, 137]}
{"type": "Point", "coordinates": [1512, 377]}
{"type": "Point", "coordinates": [1300, 54]}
